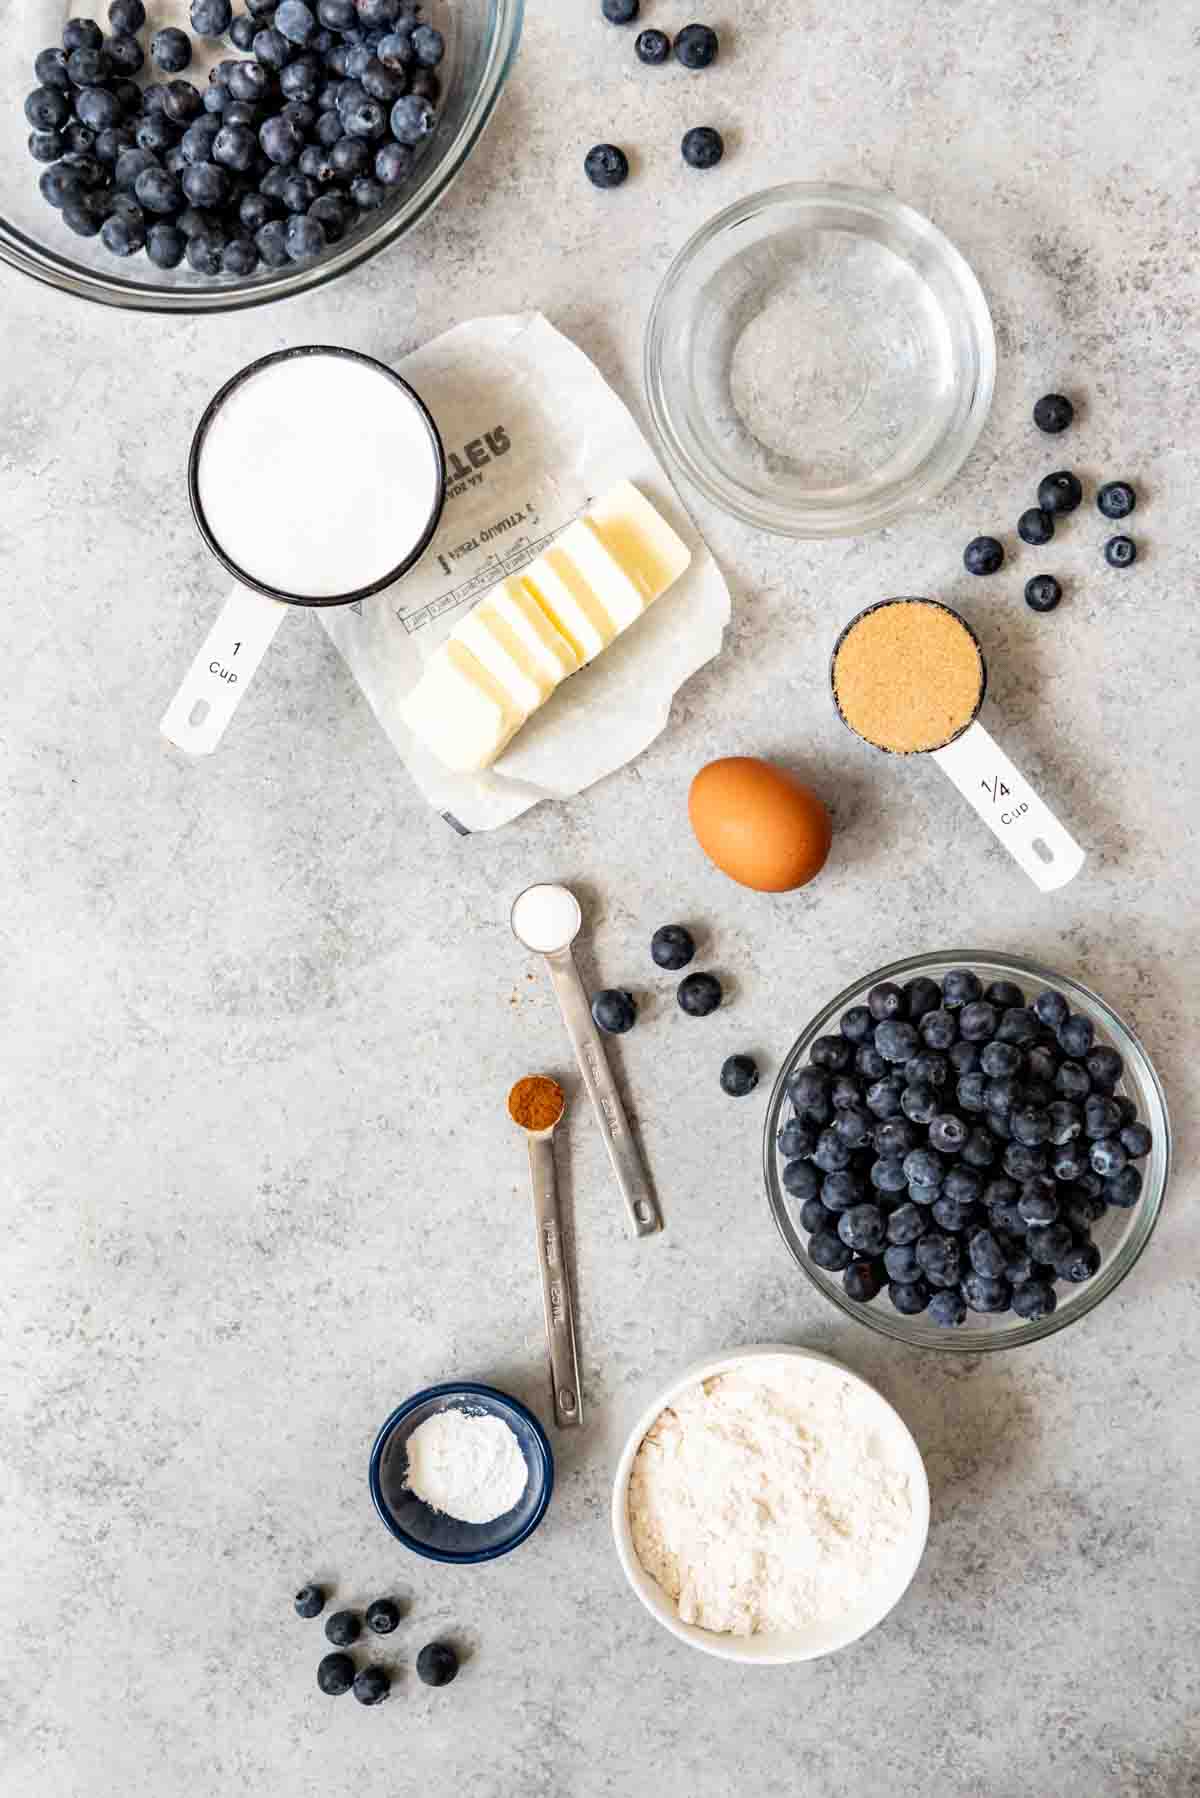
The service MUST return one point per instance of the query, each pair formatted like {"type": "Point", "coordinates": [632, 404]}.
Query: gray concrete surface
{"type": "Point", "coordinates": [260, 1014]}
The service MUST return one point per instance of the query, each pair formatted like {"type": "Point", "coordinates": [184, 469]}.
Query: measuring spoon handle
{"type": "Point", "coordinates": [1011, 809]}
{"type": "Point", "coordinates": [623, 1152]}
{"type": "Point", "coordinates": [556, 1285]}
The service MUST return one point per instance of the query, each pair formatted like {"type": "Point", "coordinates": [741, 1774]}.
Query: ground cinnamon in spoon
{"type": "Point", "coordinates": [908, 675]}
{"type": "Point", "coordinates": [536, 1102]}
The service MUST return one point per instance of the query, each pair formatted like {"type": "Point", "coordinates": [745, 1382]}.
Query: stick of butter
{"type": "Point", "coordinates": [504, 659]}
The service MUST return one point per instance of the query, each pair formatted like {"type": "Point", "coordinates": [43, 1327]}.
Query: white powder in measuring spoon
{"type": "Point", "coordinates": [546, 918]}
{"type": "Point", "coordinates": [468, 1466]}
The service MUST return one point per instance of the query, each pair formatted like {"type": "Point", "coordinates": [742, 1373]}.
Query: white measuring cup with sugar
{"type": "Point", "coordinates": [547, 919]}
{"type": "Point", "coordinates": [317, 476]}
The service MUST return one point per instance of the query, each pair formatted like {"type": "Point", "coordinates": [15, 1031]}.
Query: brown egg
{"type": "Point", "coordinates": [759, 824]}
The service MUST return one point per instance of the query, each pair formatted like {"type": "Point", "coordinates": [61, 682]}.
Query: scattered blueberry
{"type": "Point", "coordinates": [1042, 593]}
{"type": "Point", "coordinates": [1059, 492]}
{"type": "Point", "coordinates": [605, 165]}
{"type": "Point", "coordinates": [309, 1600]}
{"type": "Point", "coordinates": [1116, 499]}
{"type": "Point", "coordinates": [335, 1674]}
{"type": "Point", "coordinates": [1120, 552]}
{"type": "Point", "coordinates": [983, 555]}
{"type": "Point", "coordinates": [1053, 413]}
{"type": "Point", "coordinates": [372, 1685]}
{"type": "Point", "coordinates": [437, 1664]}
{"type": "Point", "coordinates": [171, 49]}
{"type": "Point", "coordinates": [672, 947]}
{"type": "Point", "coordinates": [699, 994]}
{"type": "Point", "coordinates": [652, 47]}
{"type": "Point", "coordinates": [702, 147]}
{"type": "Point", "coordinates": [1035, 526]}
{"type": "Point", "coordinates": [620, 12]}
{"type": "Point", "coordinates": [344, 1627]}
{"type": "Point", "coordinates": [383, 1616]}
{"type": "Point", "coordinates": [739, 1076]}
{"type": "Point", "coordinates": [696, 46]}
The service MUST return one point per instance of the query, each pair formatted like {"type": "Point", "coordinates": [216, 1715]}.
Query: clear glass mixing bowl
{"type": "Point", "coordinates": [481, 43]}
{"type": "Point", "coordinates": [1120, 1235]}
{"type": "Point", "coordinates": [819, 360]}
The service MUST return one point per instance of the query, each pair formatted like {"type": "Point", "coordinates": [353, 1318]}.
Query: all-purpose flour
{"type": "Point", "coordinates": [769, 1498]}
{"type": "Point", "coordinates": [469, 1466]}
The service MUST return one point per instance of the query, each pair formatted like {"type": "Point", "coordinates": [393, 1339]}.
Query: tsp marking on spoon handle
{"type": "Point", "coordinates": [556, 1286]}
{"type": "Point", "coordinates": [623, 1153]}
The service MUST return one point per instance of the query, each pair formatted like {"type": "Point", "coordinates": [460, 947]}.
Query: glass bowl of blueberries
{"type": "Point", "coordinates": [966, 1151]}
{"type": "Point", "coordinates": [204, 155]}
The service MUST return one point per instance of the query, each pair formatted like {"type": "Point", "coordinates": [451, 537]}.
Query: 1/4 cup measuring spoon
{"type": "Point", "coordinates": [547, 919]}
{"type": "Point", "coordinates": [908, 677]}
{"type": "Point", "coordinates": [539, 1091]}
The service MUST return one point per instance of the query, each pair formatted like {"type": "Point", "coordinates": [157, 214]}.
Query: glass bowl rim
{"type": "Point", "coordinates": [461, 1389]}
{"type": "Point", "coordinates": [27, 256]}
{"type": "Point", "coordinates": [1144, 1215]}
{"type": "Point", "coordinates": [819, 521]}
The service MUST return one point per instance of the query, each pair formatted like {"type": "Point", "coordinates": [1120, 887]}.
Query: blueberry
{"type": "Point", "coordinates": [985, 1294]}
{"type": "Point", "coordinates": [50, 67]}
{"type": "Point", "coordinates": [80, 215]}
{"type": "Point", "coordinates": [831, 1154]}
{"type": "Point", "coordinates": [381, 15]}
{"type": "Point", "coordinates": [129, 166]}
{"type": "Point", "coordinates": [155, 134]}
{"type": "Point", "coordinates": [1123, 1189]}
{"type": "Point", "coordinates": [1000, 1098]}
{"type": "Point", "coordinates": [1022, 1163]}
{"type": "Point", "coordinates": [330, 130]}
{"type": "Point", "coordinates": [86, 67]}
{"type": "Point", "coordinates": [900, 1260]}
{"type": "Point", "coordinates": [425, 86]}
{"type": "Point", "coordinates": [831, 1052]}
{"type": "Point", "coordinates": [844, 1092]}
{"type": "Point", "coordinates": [343, 1628]}
{"type": "Point", "coordinates": [1066, 1122]}
{"type": "Point", "coordinates": [350, 156]}
{"type": "Point", "coordinates": [271, 242]}
{"type": "Point", "coordinates": [204, 251]}
{"type": "Point", "coordinates": [1001, 1191]}
{"type": "Point", "coordinates": [1109, 1157]}
{"type": "Point", "coordinates": [604, 165]}
{"type": "Point", "coordinates": [947, 1309]}
{"type": "Point", "coordinates": [295, 21]}
{"type": "Point", "coordinates": [983, 555]}
{"type": "Point", "coordinates": [197, 141]}
{"type": "Point", "coordinates": [1035, 526]}
{"type": "Point", "coordinates": [702, 147]}
{"type": "Point", "coordinates": [980, 1149]}
{"type": "Point", "coordinates": [158, 192]}
{"type": "Point", "coordinates": [619, 12]}
{"type": "Point", "coordinates": [1000, 1061]}
{"type": "Point", "coordinates": [82, 34]}
{"type": "Point", "coordinates": [1072, 1081]}
{"type": "Point", "coordinates": [1136, 1141]}
{"type": "Point", "coordinates": [800, 1178]}
{"type": "Point", "coordinates": [841, 1189]}
{"type": "Point", "coordinates": [126, 15]}
{"type": "Point", "coordinates": [652, 47]}
{"type": "Point", "coordinates": [813, 1215]}
{"type": "Point", "coordinates": [930, 1068]}
{"type": "Point", "coordinates": [181, 102]}
{"type": "Point", "coordinates": [1080, 1262]}
{"type": "Point", "coordinates": [1116, 499]}
{"type": "Point", "coordinates": [923, 1168]}
{"type": "Point", "coordinates": [1049, 1243]}
{"type": "Point", "coordinates": [909, 1297]}
{"type": "Point", "coordinates": [281, 141]}
{"type": "Point", "coordinates": [977, 1021]}
{"type": "Point", "coordinates": [1038, 1204]}
{"type": "Point", "coordinates": [395, 51]}
{"type": "Point", "coordinates": [272, 49]}
{"type": "Point", "coordinates": [1105, 1066]}
{"type": "Point", "coordinates": [373, 1684]}
{"type": "Point", "coordinates": [863, 1280]}
{"type": "Point", "coordinates": [243, 32]}
{"type": "Point", "coordinates": [739, 1076]}
{"type": "Point", "coordinates": [437, 1664]}
{"type": "Point", "coordinates": [940, 1258]}
{"type": "Point", "coordinates": [862, 1228]}
{"type": "Point", "coordinates": [947, 1133]}
{"type": "Point", "coordinates": [205, 184]}
{"type": "Point", "coordinates": [1042, 593]}
{"type": "Point", "coordinates": [428, 46]}
{"type": "Point", "coordinates": [1030, 1126]}
{"type": "Point", "coordinates": [1019, 1026]}
{"type": "Point", "coordinates": [165, 246]}
{"type": "Point", "coordinates": [47, 108]}
{"type": "Point", "coordinates": [302, 114]}
{"type": "Point", "coordinates": [171, 49]}
{"type": "Point", "coordinates": [238, 112]}
{"type": "Point", "coordinates": [828, 1250]}
{"type": "Point", "coordinates": [906, 1223]}
{"type": "Point", "coordinates": [1042, 1062]}
{"type": "Point", "coordinates": [1004, 995]}
{"type": "Point", "coordinates": [1081, 1210]}
{"type": "Point", "coordinates": [211, 18]}
{"type": "Point", "coordinates": [885, 1001]}
{"type": "Point", "coordinates": [235, 147]}
{"type": "Point", "coordinates": [884, 1096]}
{"type": "Point", "coordinates": [894, 1137]}
{"type": "Point", "coordinates": [1034, 1299]}
{"type": "Point", "coordinates": [240, 257]}
{"type": "Point", "coordinates": [335, 1674]}
{"type": "Point", "coordinates": [970, 1092]}
{"type": "Point", "coordinates": [672, 946]}
{"type": "Point", "coordinates": [412, 120]}
{"type": "Point", "coordinates": [855, 1126]}
{"type": "Point", "coordinates": [123, 234]}
{"type": "Point", "coordinates": [887, 1174]}
{"type": "Point", "coordinates": [45, 146]}
{"type": "Point", "coordinates": [1075, 1037]}
{"type": "Point", "coordinates": [986, 1255]}
{"type": "Point", "coordinates": [317, 165]}
{"type": "Point", "coordinates": [938, 1029]}
{"type": "Point", "coordinates": [1120, 552]}
{"type": "Point", "coordinates": [249, 81]}
{"type": "Point", "coordinates": [953, 1217]}
{"type": "Point", "coordinates": [696, 46]}
{"type": "Point", "coordinates": [869, 1062]}
{"type": "Point", "coordinates": [1101, 1116]}
{"type": "Point", "coordinates": [1003, 1214]}
{"type": "Point", "coordinates": [699, 994]}
{"type": "Point", "coordinates": [1018, 1262]}
{"type": "Point", "coordinates": [896, 1041]}
{"type": "Point", "coordinates": [962, 1185]}
{"type": "Point", "coordinates": [125, 55]}
{"type": "Point", "coordinates": [383, 1616]}
{"type": "Point", "coordinates": [1053, 413]}
{"type": "Point", "coordinates": [796, 1139]}
{"type": "Point", "coordinates": [1059, 492]}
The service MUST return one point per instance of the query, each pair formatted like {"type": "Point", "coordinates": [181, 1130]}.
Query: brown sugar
{"type": "Point", "coordinates": [908, 675]}
{"type": "Point", "coordinates": [536, 1102]}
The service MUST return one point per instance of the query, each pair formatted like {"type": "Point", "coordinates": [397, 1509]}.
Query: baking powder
{"type": "Point", "coordinates": [468, 1465]}
{"type": "Point", "coordinates": [770, 1498]}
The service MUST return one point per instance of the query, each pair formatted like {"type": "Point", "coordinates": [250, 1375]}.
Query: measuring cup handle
{"type": "Point", "coordinates": [213, 686]}
{"type": "Point", "coordinates": [1011, 809]}
{"type": "Point", "coordinates": [556, 1286]}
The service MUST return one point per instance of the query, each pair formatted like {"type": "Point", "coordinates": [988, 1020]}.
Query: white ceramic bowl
{"type": "Point", "coordinates": [781, 1646]}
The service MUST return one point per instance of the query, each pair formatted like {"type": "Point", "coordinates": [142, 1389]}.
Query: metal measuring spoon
{"type": "Point", "coordinates": [557, 910]}
{"type": "Point", "coordinates": [556, 1284]}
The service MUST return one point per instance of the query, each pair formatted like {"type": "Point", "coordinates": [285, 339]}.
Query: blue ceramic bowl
{"type": "Point", "coordinates": [431, 1533]}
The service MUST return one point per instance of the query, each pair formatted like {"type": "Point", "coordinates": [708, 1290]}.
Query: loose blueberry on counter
{"type": "Point", "coordinates": [372, 1685]}
{"type": "Point", "coordinates": [863, 1280]}
{"type": "Point", "coordinates": [344, 1627]}
{"type": "Point", "coordinates": [335, 1674]}
{"type": "Point", "coordinates": [652, 47]}
{"type": "Point", "coordinates": [672, 947]}
{"type": "Point", "coordinates": [1116, 499]}
{"type": "Point", "coordinates": [702, 147]}
{"type": "Point", "coordinates": [620, 12]}
{"type": "Point", "coordinates": [614, 1011]}
{"type": "Point", "coordinates": [437, 1664]}
{"type": "Point", "coordinates": [948, 1309]}
{"type": "Point", "coordinates": [1053, 413]}
{"type": "Point", "coordinates": [127, 15]}
{"type": "Point", "coordinates": [605, 165]}
{"type": "Point", "coordinates": [739, 1076]}
{"type": "Point", "coordinates": [699, 995]}
{"type": "Point", "coordinates": [383, 1616]}
{"type": "Point", "coordinates": [1120, 552]}
{"type": "Point", "coordinates": [309, 1600]}
{"type": "Point", "coordinates": [983, 555]}
{"type": "Point", "coordinates": [1042, 593]}
{"type": "Point", "coordinates": [1035, 526]}
{"type": "Point", "coordinates": [696, 46]}
{"type": "Point", "coordinates": [171, 49]}
{"type": "Point", "coordinates": [909, 1297]}
{"type": "Point", "coordinates": [1059, 492]}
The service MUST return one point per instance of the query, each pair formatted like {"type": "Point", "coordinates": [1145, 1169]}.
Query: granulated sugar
{"type": "Point", "coordinates": [770, 1498]}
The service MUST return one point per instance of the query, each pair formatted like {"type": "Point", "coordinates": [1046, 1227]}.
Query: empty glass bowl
{"type": "Point", "coordinates": [481, 43]}
{"type": "Point", "coordinates": [431, 1533]}
{"type": "Point", "coordinates": [1120, 1235]}
{"type": "Point", "coordinates": [819, 360]}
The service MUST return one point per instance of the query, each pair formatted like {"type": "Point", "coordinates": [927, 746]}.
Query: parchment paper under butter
{"type": "Point", "coordinates": [532, 432]}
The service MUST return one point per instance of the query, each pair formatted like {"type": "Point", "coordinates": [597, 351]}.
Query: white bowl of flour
{"type": "Point", "coordinates": [770, 1506]}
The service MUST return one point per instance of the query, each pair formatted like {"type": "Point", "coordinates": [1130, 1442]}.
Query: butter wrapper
{"type": "Point", "coordinates": [532, 434]}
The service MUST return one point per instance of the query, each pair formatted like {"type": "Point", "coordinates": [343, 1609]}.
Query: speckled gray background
{"type": "Point", "coordinates": [260, 1013]}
